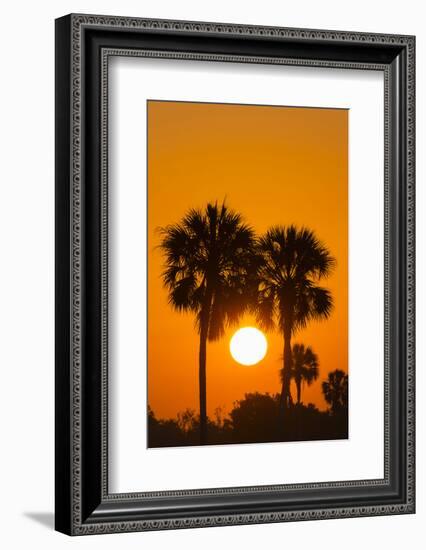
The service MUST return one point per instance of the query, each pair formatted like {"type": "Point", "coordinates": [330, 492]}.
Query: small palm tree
{"type": "Point", "coordinates": [289, 296]}
{"type": "Point", "coordinates": [335, 390]}
{"type": "Point", "coordinates": [210, 271]}
{"type": "Point", "coordinates": [304, 368]}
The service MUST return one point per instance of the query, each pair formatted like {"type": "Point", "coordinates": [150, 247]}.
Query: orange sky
{"type": "Point", "coordinates": [275, 165]}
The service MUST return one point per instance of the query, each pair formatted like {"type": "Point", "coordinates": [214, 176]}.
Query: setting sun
{"type": "Point", "coordinates": [248, 346]}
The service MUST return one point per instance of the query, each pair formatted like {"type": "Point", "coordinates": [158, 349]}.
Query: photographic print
{"type": "Point", "coordinates": [247, 273]}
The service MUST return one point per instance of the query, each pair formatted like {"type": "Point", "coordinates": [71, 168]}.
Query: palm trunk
{"type": "Point", "coordinates": [202, 363]}
{"type": "Point", "coordinates": [299, 390]}
{"type": "Point", "coordinates": [203, 385]}
{"type": "Point", "coordinates": [285, 391]}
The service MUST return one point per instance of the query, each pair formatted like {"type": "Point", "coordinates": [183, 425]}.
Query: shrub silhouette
{"type": "Point", "coordinates": [254, 419]}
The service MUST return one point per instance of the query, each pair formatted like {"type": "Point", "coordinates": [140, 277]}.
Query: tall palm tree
{"type": "Point", "coordinates": [289, 296]}
{"type": "Point", "coordinates": [304, 368]}
{"type": "Point", "coordinates": [210, 268]}
{"type": "Point", "coordinates": [335, 390]}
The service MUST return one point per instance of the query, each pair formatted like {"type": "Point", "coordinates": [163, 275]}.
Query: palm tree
{"type": "Point", "coordinates": [304, 368]}
{"type": "Point", "coordinates": [210, 267]}
{"type": "Point", "coordinates": [294, 260]}
{"type": "Point", "coordinates": [335, 390]}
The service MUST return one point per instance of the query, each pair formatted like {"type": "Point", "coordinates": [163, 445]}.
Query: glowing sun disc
{"type": "Point", "coordinates": [248, 346]}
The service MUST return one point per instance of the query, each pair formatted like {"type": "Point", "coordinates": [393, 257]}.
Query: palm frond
{"type": "Point", "coordinates": [211, 248]}
{"type": "Point", "coordinates": [293, 260]}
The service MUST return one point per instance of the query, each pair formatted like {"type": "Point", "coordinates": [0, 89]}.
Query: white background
{"type": "Point", "coordinates": [132, 81]}
{"type": "Point", "coordinates": [26, 300]}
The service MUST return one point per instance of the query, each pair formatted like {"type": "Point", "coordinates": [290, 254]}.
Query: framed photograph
{"type": "Point", "coordinates": [234, 274]}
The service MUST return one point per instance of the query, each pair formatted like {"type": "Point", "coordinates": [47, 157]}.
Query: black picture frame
{"type": "Point", "coordinates": [83, 504]}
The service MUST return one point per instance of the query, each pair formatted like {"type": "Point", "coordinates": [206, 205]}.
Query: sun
{"type": "Point", "coordinates": [248, 346]}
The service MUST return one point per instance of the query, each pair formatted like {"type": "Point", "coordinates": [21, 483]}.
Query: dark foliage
{"type": "Point", "coordinates": [254, 419]}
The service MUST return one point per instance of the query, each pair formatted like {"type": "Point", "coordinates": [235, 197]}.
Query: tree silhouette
{"type": "Point", "coordinates": [335, 390]}
{"type": "Point", "coordinates": [294, 260]}
{"type": "Point", "coordinates": [304, 368]}
{"type": "Point", "coordinates": [210, 270]}
{"type": "Point", "coordinates": [254, 418]}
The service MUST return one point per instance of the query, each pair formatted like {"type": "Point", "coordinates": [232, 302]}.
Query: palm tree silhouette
{"type": "Point", "coordinates": [294, 260]}
{"type": "Point", "coordinates": [304, 368]}
{"type": "Point", "coordinates": [210, 270]}
{"type": "Point", "coordinates": [335, 390]}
